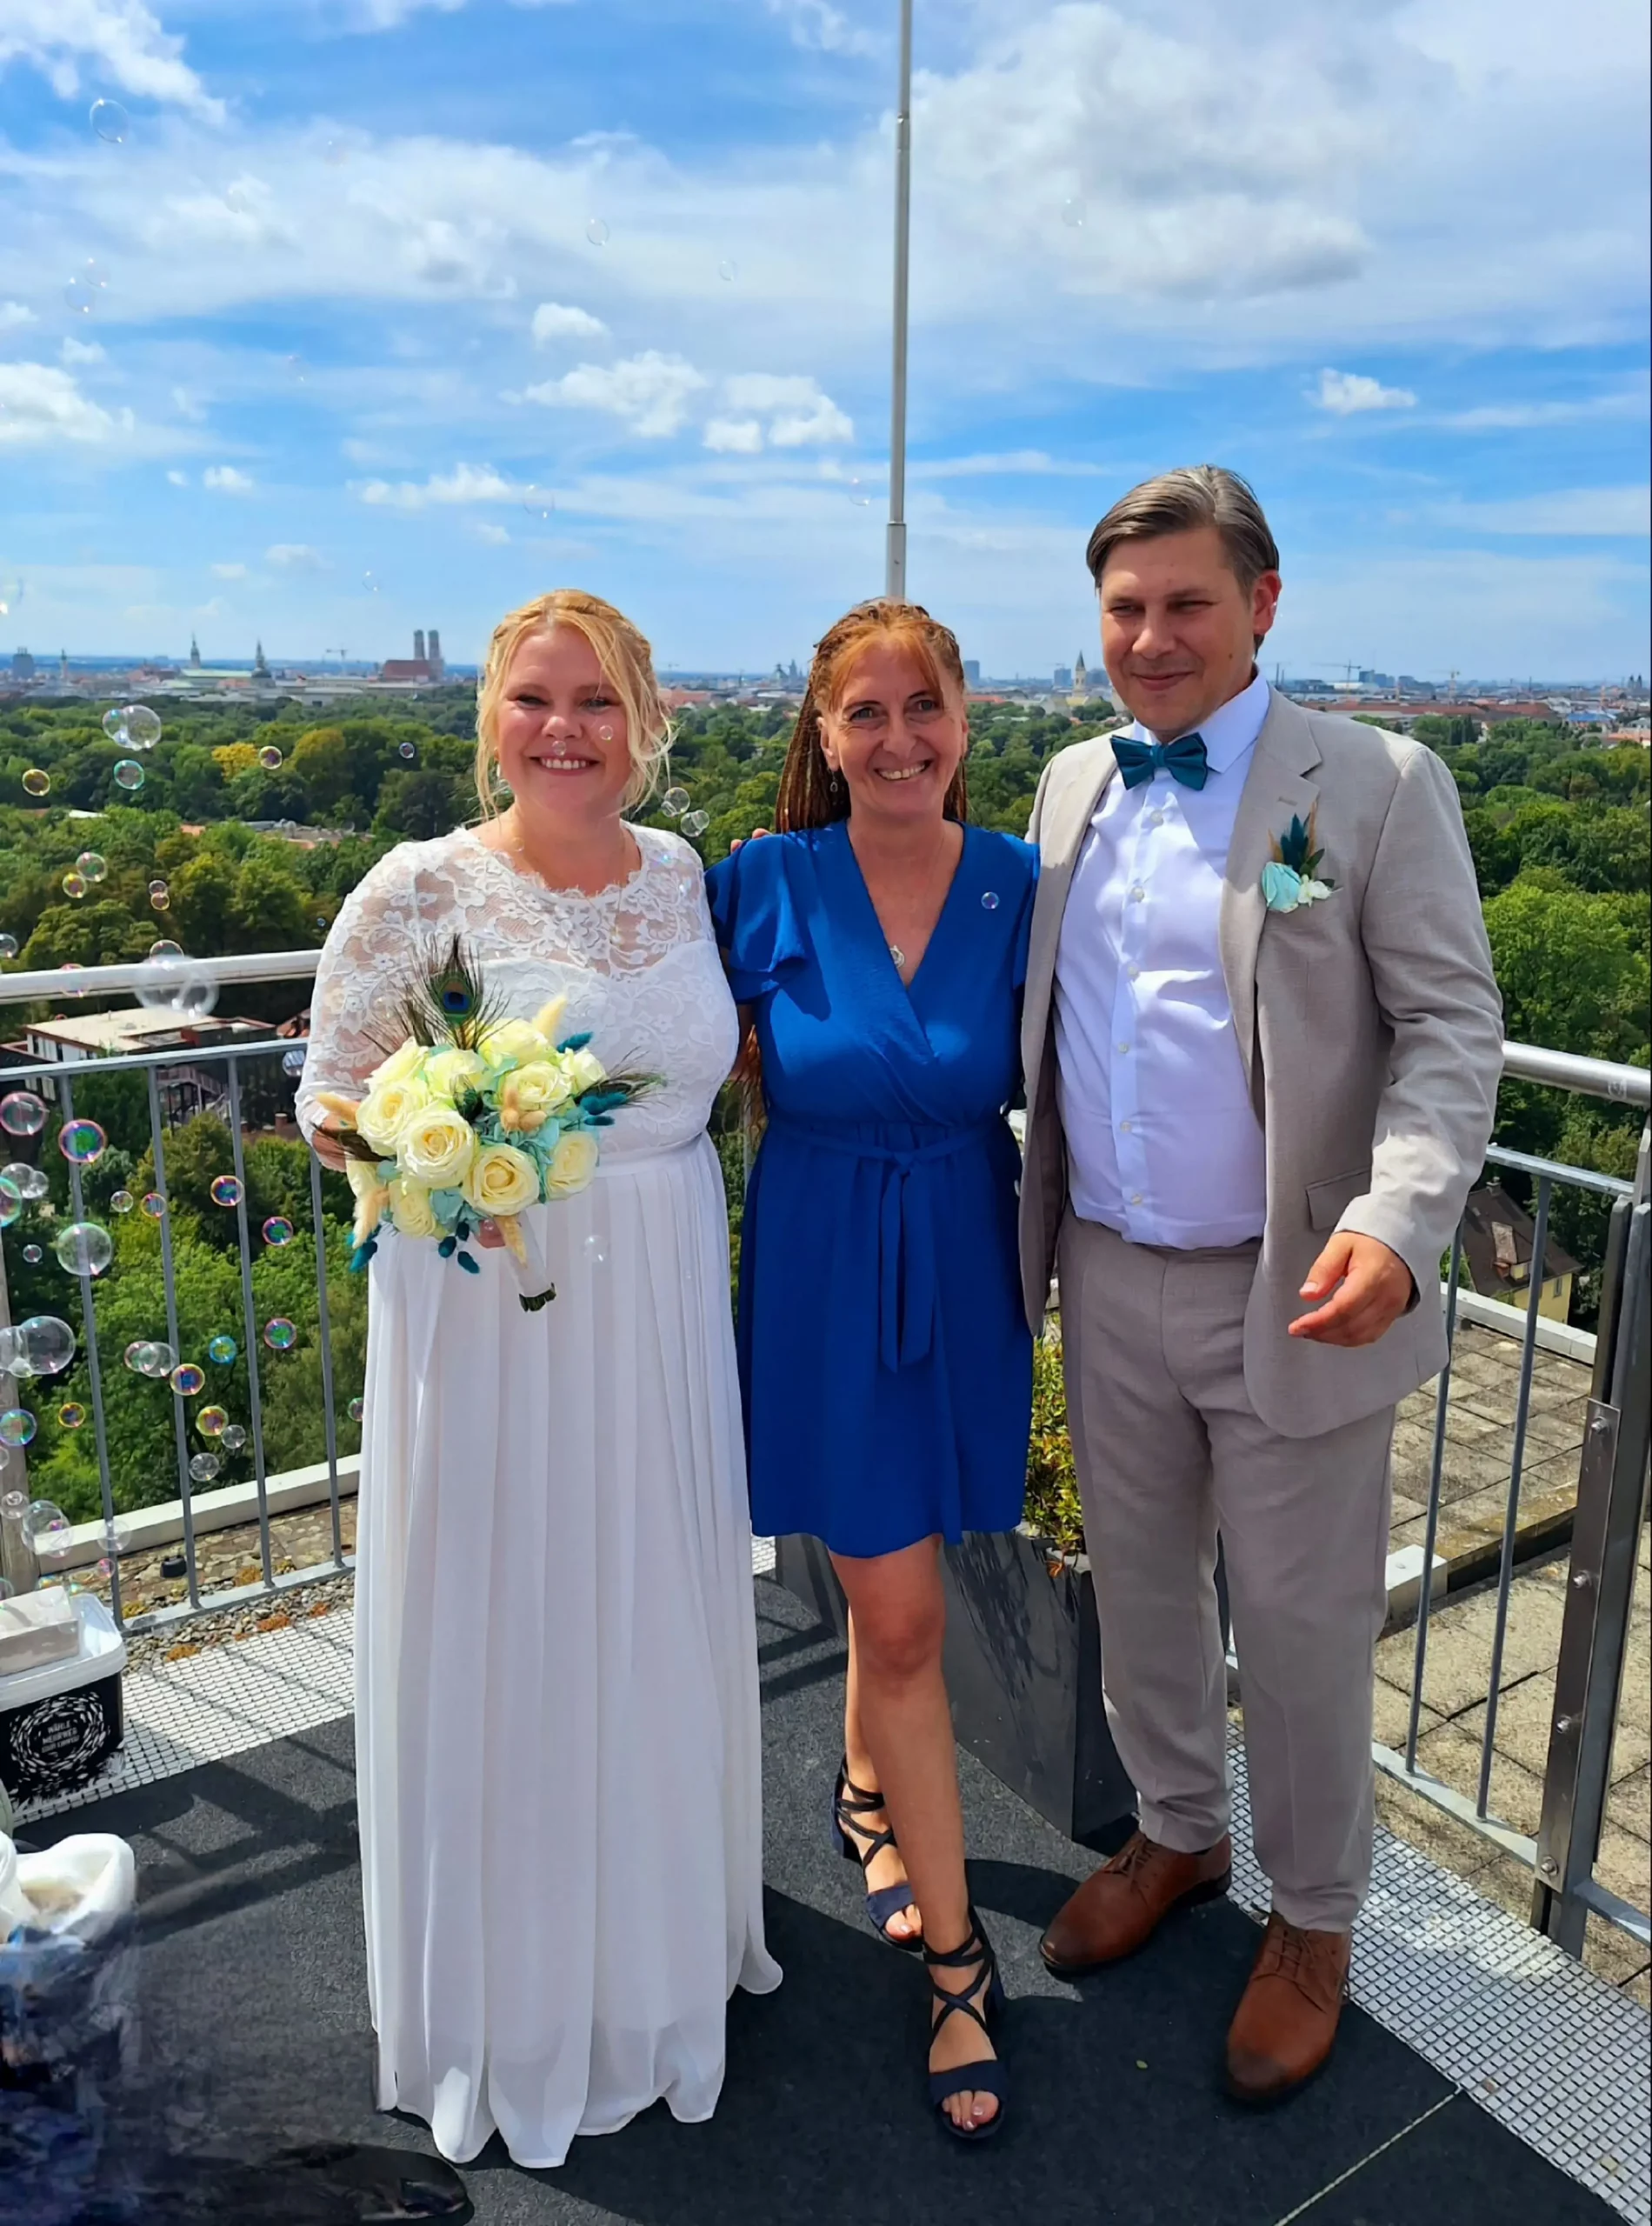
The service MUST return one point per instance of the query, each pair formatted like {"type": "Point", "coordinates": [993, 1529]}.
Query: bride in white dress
{"type": "Point", "coordinates": [557, 1746]}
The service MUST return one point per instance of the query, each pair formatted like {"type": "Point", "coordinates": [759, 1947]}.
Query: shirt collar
{"type": "Point", "coordinates": [1231, 730]}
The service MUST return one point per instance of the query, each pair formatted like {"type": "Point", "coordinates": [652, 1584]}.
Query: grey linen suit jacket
{"type": "Point", "coordinates": [1370, 1023]}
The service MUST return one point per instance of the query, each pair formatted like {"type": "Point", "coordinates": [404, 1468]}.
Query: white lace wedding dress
{"type": "Point", "coordinates": [557, 1748]}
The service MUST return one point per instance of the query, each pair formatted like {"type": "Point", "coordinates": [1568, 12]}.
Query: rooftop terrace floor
{"type": "Point", "coordinates": [254, 2025]}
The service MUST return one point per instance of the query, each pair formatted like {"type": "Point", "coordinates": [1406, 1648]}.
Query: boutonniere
{"type": "Point", "coordinates": [1291, 877]}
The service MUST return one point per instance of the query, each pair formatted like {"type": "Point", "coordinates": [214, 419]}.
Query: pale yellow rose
{"type": "Point", "coordinates": [411, 1209]}
{"type": "Point", "coordinates": [513, 1041]}
{"type": "Point", "coordinates": [370, 1196]}
{"type": "Point", "coordinates": [583, 1069]}
{"type": "Point", "coordinates": [386, 1111]}
{"type": "Point", "coordinates": [436, 1147]}
{"type": "Point", "coordinates": [452, 1071]}
{"type": "Point", "coordinates": [572, 1163]}
{"type": "Point", "coordinates": [400, 1064]}
{"type": "Point", "coordinates": [501, 1180]}
{"type": "Point", "coordinates": [530, 1095]}
{"type": "Point", "coordinates": [549, 1018]}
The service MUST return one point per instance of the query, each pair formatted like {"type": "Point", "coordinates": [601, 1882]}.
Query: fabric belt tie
{"type": "Point", "coordinates": [906, 1264]}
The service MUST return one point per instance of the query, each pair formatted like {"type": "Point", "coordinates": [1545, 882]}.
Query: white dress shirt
{"type": "Point", "coordinates": [1163, 1144]}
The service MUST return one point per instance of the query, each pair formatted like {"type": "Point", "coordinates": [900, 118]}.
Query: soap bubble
{"type": "Point", "coordinates": [269, 757]}
{"type": "Point", "coordinates": [18, 1426]}
{"type": "Point", "coordinates": [233, 1439]}
{"type": "Point", "coordinates": [596, 232]}
{"type": "Point", "coordinates": [407, 750]}
{"type": "Point", "coordinates": [84, 1248]}
{"type": "Point", "coordinates": [278, 1229]}
{"type": "Point", "coordinates": [114, 724]}
{"type": "Point", "coordinates": [36, 783]}
{"type": "Point", "coordinates": [226, 1190]}
{"type": "Point", "coordinates": [47, 1343]}
{"type": "Point", "coordinates": [221, 1350]}
{"type": "Point", "coordinates": [154, 1205]}
{"type": "Point", "coordinates": [165, 948]}
{"type": "Point", "coordinates": [92, 864]}
{"type": "Point", "coordinates": [110, 121]}
{"type": "Point", "coordinates": [45, 1528]}
{"type": "Point", "coordinates": [356, 1410]}
{"type": "Point", "coordinates": [8, 946]}
{"type": "Point", "coordinates": [10, 1202]}
{"type": "Point", "coordinates": [1072, 215]}
{"type": "Point", "coordinates": [33, 1255]}
{"type": "Point", "coordinates": [122, 1202]}
{"type": "Point", "coordinates": [174, 983]}
{"type": "Point", "coordinates": [296, 368]}
{"type": "Point", "coordinates": [203, 1467]}
{"type": "Point", "coordinates": [859, 495]}
{"type": "Point", "coordinates": [279, 1334]}
{"type": "Point", "coordinates": [83, 289]}
{"type": "Point", "coordinates": [11, 1504]}
{"type": "Point", "coordinates": [595, 1251]}
{"type": "Point", "coordinates": [728, 272]}
{"type": "Point", "coordinates": [129, 774]}
{"type": "Point", "coordinates": [187, 1379]}
{"type": "Point", "coordinates": [142, 726]}
{"type": "Point", "coordinates": [334, 151]}
{"type": "Point", "coordinates": [675, 802]}
{"type": "Point", "coordinates": [28, 1181]}
{"type": "Point", "coordinates": [371, 582]}
{"type": "Point", "coordinates": [538, 501]}
{"type": "Point", "coordinates": [22, 1114]}
{"type": "Point", "coordinates": [989, 900]}
{"type": "Point", "coordinates": [71, 1415]}
{"type": "Point", "coordinates": [74, 883]}
{"type": "Point", "coordinates": [160, 896]}
{"type": "Point", "coordinates": [82, 1141]}
{"type": "Point", "coordinates": [292, 1062]}
{"type": "Point", "coordinates": [212, 1422]}
{"type": "Point", "coordinates": [695, 823]}
{"type": "Point", "coordinates": [133, 1355]}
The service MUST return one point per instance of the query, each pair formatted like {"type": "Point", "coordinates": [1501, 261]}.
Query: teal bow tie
{"type": "Point", "coordinates": [1185, 760]}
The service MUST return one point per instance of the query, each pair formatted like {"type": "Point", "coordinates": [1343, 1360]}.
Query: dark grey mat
{"type": "Point", "coordinates": [256, 2032]}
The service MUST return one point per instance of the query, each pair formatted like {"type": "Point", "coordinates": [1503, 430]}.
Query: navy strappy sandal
{"type": "Point", "coordinates": [991, 2074]}
{"type": "Point", "coordinates": [850, 1800]}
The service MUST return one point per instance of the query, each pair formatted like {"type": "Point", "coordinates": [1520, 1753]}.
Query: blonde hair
{"type": "Point", "coordinates": [809, 795]}
{"type": "Point", "coordinates": [628, 666]}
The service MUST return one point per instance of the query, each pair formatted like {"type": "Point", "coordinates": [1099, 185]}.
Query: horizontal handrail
{"type": "Point", "coordinates": [1535, 1062]}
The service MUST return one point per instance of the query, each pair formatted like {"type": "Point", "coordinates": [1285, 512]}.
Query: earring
{"type": "Point", "coordinates": [835, 784]}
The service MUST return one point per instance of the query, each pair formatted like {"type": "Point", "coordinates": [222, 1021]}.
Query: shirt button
{"type": "Point", "coordinates": [1137, 895]}
{"type": "Point", "coordinates": [1134, 972]}
{"type": "Point", "coordinates": [1125, 1127]}
{"type": "Point", "coordinates": [1156, 819]}
{"type": "Point", "coordinates": [1136, 1197]}
{"type": "Point", "coordinates": [1124, 1047]}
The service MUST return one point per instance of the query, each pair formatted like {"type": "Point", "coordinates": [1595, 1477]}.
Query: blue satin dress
{"type": "Point", "coordinates": [884, 1358]}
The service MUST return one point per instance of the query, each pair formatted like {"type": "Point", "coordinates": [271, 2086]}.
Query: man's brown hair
{"type": "Point", "coordinates": [1180, 501]}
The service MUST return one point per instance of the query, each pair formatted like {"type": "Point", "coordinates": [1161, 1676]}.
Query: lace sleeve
{"type": "Point", "coordinates": [367, 950]}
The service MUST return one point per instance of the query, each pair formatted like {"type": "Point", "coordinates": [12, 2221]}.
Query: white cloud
{"type": "Point", "coordinates": [295, 556]}
{"type": "Point", "coordinates": [178, 478]}
{"type": "Point", "coordinates": [119, 40]}
{"type": "Point", "coordinates": [40, 405]}
{"type": "Point", "coordinates": [817, 25]}
{"type": "Point", "coordinates": [228, 571]}
{"type": "Point", "coordinates": [734, 436]}
{"type": "Point", "coordinates": [1621, 402]}
{"type": "Point", "coordinates": [225, 479]}
{"type": "Point", "coordinates": [188, 404]}
{"type": "Point", "coordinates": [485, 530]}
{"type": "Point", "coordinates": [1346, 393]}
{"type": "Point", "coordinates": [650, 392]}
{"type": "Point", "coordinates": [466, 483]}
{"type": "Point", "coordinates": [803, 415]}
{"type": "Point", "coordinates": [83, 351]}
{"type": "Point", "coordinates": [557, 321]}
{"type": "Point", "coordinates": [13, 314]}
{"type": "Point", "coordinates": [1575, 512]}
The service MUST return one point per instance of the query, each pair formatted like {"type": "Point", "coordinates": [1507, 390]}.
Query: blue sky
{"type": "Point", "coordinates": [353, 360]}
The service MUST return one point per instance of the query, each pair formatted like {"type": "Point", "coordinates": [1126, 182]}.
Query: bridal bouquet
{"type": "Point", "coordinates": [475, 1117]}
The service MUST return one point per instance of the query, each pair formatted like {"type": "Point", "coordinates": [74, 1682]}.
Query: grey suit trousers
{"type": "Point", "coordinates": [1169, 1450]}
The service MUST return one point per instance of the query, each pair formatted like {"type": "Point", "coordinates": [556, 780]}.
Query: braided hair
{"type": "Point", "coordinates": [811, 795]}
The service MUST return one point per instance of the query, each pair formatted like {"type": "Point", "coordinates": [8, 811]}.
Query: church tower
{"type": "Point", "coordinates": [194, 654]}
{"type": "Point", "coordinates": [260, 669]}
{"type": "Point", "coordinates": [1081, 675]}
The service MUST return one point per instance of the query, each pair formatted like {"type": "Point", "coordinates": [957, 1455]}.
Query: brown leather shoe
{"type": "Point", "coordinates": [1118, 1908]}
{"type": "Point", "coordinates": [1286, 2021]}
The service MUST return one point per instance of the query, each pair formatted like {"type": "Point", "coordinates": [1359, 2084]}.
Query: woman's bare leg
{"type": "Point", "coordinates": [886, 1868]}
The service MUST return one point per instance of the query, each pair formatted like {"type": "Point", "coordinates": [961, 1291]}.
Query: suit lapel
{"type": "Point", "coordinates": [1275, 787]}
{"type": "Point", "coordinates": [1060, 839]}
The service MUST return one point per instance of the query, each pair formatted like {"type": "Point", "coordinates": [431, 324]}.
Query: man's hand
{"type": "Point", "coordinates": [1365, 1286]}
{"type": "Point", "coordinates": [756, 836]}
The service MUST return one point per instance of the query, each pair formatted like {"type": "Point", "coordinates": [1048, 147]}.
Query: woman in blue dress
{"type": "Point", "coordinates": [877, 944]}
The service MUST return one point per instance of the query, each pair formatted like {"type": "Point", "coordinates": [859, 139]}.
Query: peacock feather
{"type": "Point", "coordinates": [449, 1001]}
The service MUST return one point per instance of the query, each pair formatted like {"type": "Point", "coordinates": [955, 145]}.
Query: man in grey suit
{"type": "Point", "coordinates": [1262, 1040]}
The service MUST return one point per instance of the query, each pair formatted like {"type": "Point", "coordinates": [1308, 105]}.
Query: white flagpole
{"type": "Point", "coordinates": [894, 566]}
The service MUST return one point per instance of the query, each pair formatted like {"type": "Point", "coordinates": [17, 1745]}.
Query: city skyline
{"type": "Point", "coordinates": [292, 348]}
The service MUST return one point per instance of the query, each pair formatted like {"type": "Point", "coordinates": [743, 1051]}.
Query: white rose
{"type": "Point", "coordinates": [513, 1042]}
{"type": "Point", "coordinates": [583, 1069]}
{"type": "Point", "coordinates": [572, 1163]}
{"type": "Point", "coordinates": [450, 1073]}
{"type": "Point", "coordinates": [386, 1111]}
{"type": "Point", "coordinates": [399, 1065]}
{"type": "Point", "coordinates": [411, 1209]}
{"type": "Point", "coordinates": [501, 1180]}
{"type": "Point", "coordinates": [529, 1096]}
{"type": "Point", "coordinates": [436, 1147]}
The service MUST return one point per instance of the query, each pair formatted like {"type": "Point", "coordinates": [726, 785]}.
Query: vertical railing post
{"type": "Point", "coordinates": [95, 1378]}
{"type": "Point", "coordinates": [1611, 1507]}
{"type": "Point", "coordinates": [168, 1278]}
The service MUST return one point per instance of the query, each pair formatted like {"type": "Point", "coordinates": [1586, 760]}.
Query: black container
{"type": "Point", "coordinates": [1023, 1669]}
{"type": "Point", "coordinates": [50, 1745]}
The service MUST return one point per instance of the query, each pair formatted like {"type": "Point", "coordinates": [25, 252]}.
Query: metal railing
{"type": "Point", "coordinates": [1611, 1482]}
